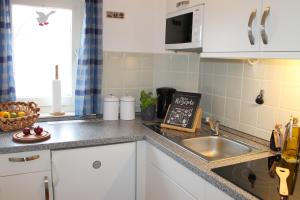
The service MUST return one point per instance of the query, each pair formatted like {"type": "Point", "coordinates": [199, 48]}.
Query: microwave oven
{"type": "Point", "coordinates": [184, 29]}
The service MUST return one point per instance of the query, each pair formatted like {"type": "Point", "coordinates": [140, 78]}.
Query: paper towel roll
{"type": "Point", "coordinates": [56, 96]}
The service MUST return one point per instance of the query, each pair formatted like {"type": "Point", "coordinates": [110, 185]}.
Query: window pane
{"type": "Point", "coordinates": [38, 47]}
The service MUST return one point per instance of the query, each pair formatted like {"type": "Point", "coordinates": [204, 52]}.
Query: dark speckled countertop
{"type": "Point", "coordinates": [84, 133]}
{"type": "Point", "coordinates": [78, 133]}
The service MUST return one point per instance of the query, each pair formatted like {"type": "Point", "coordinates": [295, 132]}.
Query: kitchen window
{"type": "Point", "coordinates": [45, 33]}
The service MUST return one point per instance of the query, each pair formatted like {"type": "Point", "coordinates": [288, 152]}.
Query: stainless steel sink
{"type": "Point", "coordinates": [213, 148]}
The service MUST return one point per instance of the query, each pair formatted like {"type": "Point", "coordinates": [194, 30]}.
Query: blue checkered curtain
{"type": "Point", "coordinates": [90, 67]}
{"type": "Point", "coordinates": [7, 82]}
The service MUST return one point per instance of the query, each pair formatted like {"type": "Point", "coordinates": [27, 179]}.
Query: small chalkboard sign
{"type": "Point", "coordinates": [183, 111]}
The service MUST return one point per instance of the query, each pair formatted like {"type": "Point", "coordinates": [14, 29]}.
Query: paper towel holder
{"type": "Point", "coordinates": [57, 113]}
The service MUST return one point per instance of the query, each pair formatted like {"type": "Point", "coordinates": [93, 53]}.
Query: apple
{"type": "Point", "coordinates": [13, 115]}
{"type": "Point", "coordinates": [26, 131]}
{"type": "Point", "coordinates": [38, 130]}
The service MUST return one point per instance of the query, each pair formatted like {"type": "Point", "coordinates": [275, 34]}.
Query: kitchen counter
{"type": "Point", "coordinates": [78, 133]}
{"type": "Point", "coordinates": [73, 134]}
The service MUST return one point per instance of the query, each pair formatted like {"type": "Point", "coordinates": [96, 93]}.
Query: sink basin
{"type": "Point", "coordinates": [213, 148]}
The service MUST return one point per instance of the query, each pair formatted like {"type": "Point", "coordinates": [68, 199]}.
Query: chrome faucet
{"type": "Point", "coordinates": [214, 125]}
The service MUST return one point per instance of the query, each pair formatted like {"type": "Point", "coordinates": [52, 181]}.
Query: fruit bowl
{"type": "Point", "coordinates": [18, 115]}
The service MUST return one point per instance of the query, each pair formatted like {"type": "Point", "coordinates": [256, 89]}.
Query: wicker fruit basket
{"type": "Point", "coordinates": [19, 122]}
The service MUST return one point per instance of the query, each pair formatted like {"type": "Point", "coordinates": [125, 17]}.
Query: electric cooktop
{"type": "Point", "coordinates": [259, 177]}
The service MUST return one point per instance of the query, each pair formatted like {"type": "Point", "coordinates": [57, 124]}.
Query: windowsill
{"type": "Point", "coordinates": [48, 115]}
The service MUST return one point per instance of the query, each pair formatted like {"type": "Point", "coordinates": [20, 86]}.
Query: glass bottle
{"type": "Point", "coordinates": [290, 148]}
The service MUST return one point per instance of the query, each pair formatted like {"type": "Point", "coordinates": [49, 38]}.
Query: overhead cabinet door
{"type": "Point", "coordinates": [280, 25]}
{"type": "Point", "coordinates": [231, 26]}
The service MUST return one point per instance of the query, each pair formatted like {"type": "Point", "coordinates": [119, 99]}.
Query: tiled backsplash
{"type": "Point", "coordinates": [129, 73]}
{"type": "Point", "coordinates": [230, 87]}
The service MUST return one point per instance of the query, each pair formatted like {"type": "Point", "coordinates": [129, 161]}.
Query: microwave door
{"type": "Point", "coordinates": [179, 29]}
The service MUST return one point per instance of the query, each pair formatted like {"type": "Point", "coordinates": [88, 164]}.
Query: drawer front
{"type": "Point", "coordinates": [25, 162]}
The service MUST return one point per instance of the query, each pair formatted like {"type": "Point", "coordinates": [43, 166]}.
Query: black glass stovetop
{"type": "Point", "coordinates": [259, 178]}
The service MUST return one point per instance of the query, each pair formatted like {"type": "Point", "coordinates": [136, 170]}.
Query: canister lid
{"type": "Point", "coordinates": [111, 98]}
{"type": "Point", "coordinates": [127, 98]}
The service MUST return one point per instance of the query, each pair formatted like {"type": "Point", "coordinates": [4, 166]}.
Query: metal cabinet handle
{"type": "Point", "coordinates": [250, 23]}
{"type": "Point", "coordinates": [46, 185]}
{"type": "Point", "coordinates": [25, 159]}
{"type": "Point", "coordinates": [263, 33]}
{"type": "Point", "coordinates": [182, 3]}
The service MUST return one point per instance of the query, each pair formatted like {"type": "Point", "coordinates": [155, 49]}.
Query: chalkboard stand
{"type": "Point", "coordinates": [196, 123]}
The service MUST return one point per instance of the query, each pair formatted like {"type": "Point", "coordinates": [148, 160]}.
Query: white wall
{"type": "Point", "coordinates": [142, 29]}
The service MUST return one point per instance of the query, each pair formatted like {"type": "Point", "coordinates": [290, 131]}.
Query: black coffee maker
{"type": "Point", "coordinates": [164, 95]}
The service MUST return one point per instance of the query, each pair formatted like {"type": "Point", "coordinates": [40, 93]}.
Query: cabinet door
{"type": "Point", "coordinates": [162, 187]}
{"type": "Point", "coordinates": [213, 193]}
{"type": "Point", "coordinates": [104, 172]}
{"type": "Point", "coordinates": [282, 25]}
{"type": "Point", "coordinates": [33, 186]}
{"type": "Point", "coordinates": [226, 26]}
{"type": "Point", "coordinates": [167, 179]}
{"type": "Point", "coordinates": [160, 177]}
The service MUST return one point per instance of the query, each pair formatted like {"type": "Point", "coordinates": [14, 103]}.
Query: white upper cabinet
{"type": "Point", "coordinates": [175, 5]}
{"type": "Point", "coordinates": [282, 27]}
{"type": "Point", "coordinates": [260, 27]}
{"type": "Point", "coordinates": [226, 26]}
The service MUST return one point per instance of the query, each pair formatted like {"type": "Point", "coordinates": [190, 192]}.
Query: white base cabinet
{"type": "Point", "coordinates": [160, 186]}
{"type": "Point", "coordinates": [26, 176]}
{"type": "Point", "coordinates": [160, 178]}
{"type": "Point", "coordinates": [95, 173]}
{"type": "Point", "coordinates": [128, 171]}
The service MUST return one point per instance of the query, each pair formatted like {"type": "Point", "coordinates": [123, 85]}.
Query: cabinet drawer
{"type": "Point", "coordinates": [25, 162]}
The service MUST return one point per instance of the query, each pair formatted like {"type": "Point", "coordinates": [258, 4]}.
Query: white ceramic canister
{"type": "Point", "coordinates": [111, 108]}
{"type": "Point", "coordinates": [127, 108]}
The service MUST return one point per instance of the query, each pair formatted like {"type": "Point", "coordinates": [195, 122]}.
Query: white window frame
{"type": "Point", "coordinates": [77, 6]}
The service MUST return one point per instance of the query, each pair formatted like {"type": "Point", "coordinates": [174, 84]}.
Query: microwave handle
{"type": "Point", "coordinates": [250, 24]}
{"type": "Point", "coordinates": [182, 3]}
